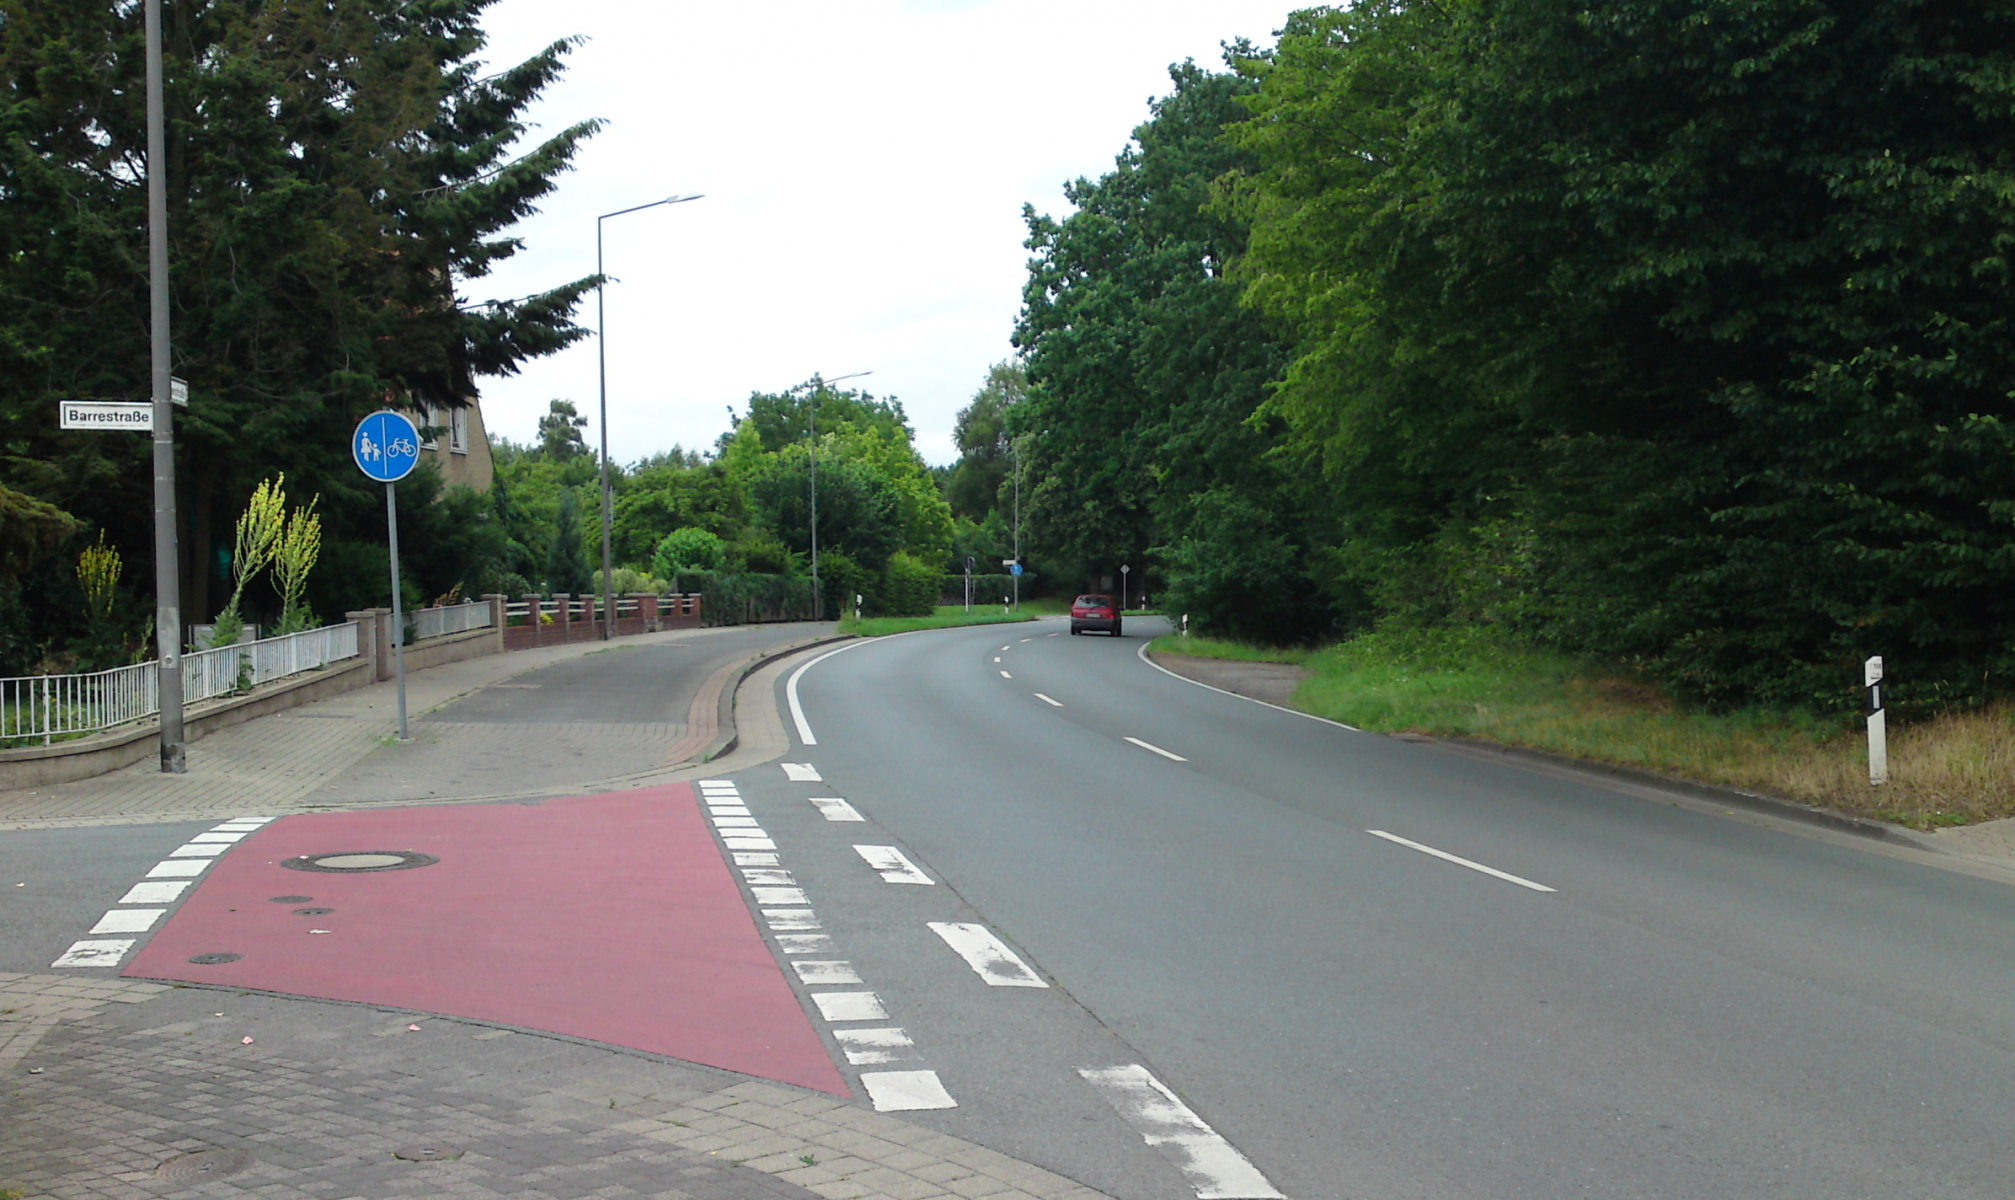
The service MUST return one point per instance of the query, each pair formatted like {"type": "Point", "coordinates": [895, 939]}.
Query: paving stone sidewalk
{"type": "Point", "coordinates": [311, 1101]}
{"type": "Point", "coordinates": [315, 755]}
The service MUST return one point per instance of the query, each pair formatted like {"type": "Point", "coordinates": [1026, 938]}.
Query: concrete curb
{"type": "Point", "coordinates": [728, 736]}
{"type": "Point", "coordinates": [1599, 773]}
{"type": "Point", "coordinates": [1789, 810]}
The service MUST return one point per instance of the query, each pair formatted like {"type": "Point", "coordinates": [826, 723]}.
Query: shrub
{"type": "Point", "coordinates": [909, 586]}
{"type": "Point", "coordinates": [688, 549]}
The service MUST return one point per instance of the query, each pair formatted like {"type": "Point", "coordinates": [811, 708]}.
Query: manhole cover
{"type": "Point", "coordinates": [355, 862]}
{"type": "Point", "coordinates": [211, 960]}
{"type": "Point", "coordinates": [313, 912]}
{"type": "Point", "coordinates": [290, 899]}
{"type": "Point", "coordinates": [434, 1153]}
{"type": "Point", "coordinates": [204, 1164]}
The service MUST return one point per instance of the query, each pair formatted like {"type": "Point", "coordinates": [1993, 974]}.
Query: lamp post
{"type": "Point", "coordinates": [602, 363]}
{"type": "Point", "coordinates": [167, 553]}
{"type": "Point", "coordinates": [812, 444]}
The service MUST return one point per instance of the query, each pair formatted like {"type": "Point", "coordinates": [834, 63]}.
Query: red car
{"type": "Point", "coordinates": [1094, 612]}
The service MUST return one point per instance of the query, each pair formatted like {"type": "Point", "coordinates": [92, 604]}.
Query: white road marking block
{"type": "Point", "coordinates": [1460, 862]}
{"type": "Point", "coordinates": [906, 1091]}
{"type": "Point", "coordinates": [986, 954]}
{"type": "Point", "coordinates": [176, 867]}
{"type": "Point", "coordinates": [159, 892]}
{"type": "Point", "coordinates": [868, 1047]}
{"type": "Point", "coordinates": [213, 836]}
{"type": "Point", "coordinates": [1005, 675]}
{"type": "Point", "coordinates": [755, 858]}
{"type": "Point", "coordinates": [997, 658]}
{"type": "Point", "coordinates": [1211, 1165]}
{"type": "Point", "coordinates": [94, 953]}
{"type": "Point", "coordinates": [726, 783]}
{"type": "Point", "coordinates": [747, 843]}
{"type": "Point", "coordinates": [128, 920]}
{"type": "Point", "coordinates": [748, 823]}
{"type": "Point", "coordinates": [1046, 699]}
{"type": "Point", "coordinates": [773, 876]}
{"type": "Point", "coordinates": [192, 850]}
{"type": "Point", "coordinates": [802, 773]}
{"type": "Point", "coordinates": [832, 808]}
{"type": "Point", "coordinates": [779, 895]}
{"type": "Point", "coordinates": [804, 943]}
{"type": "Point", "coordinates": [1157, 749]}
{"type": "Point", "coordinates": [850, 1006]}
{"type": "Point", "coordinates": [728, 810]}
{"type": "Point", "coordinates": [791, 920]}
{"type": "Point", "coordinates": [894, 867]}
{"type": "Point", "coordinates": [828, 971]}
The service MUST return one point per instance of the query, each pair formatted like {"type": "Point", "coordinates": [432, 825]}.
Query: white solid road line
{"type": "Point", "coordinates": [893, 865]}
{"type": "Point", "coordinates": [1213, 1167]}
{"type": "Point", "coordinates": [986, 954]}
{"type": "Point", "coordinates": [1048, 701]}
{"type": "Point", "coordinates": [832, 808]}
{"type": "Point", "coordinates": [1141, 654]}
{"type": "Point", "coordinates": [1157, 749]}
{"type": "Point", "coordinates": [1461, 862]}
{"type": "Point", "coordinates": [802, 773]}
{"type": "Point", "coordinates": [791, 692]}
{"type": "Point", "coordinates": [906, 1091]}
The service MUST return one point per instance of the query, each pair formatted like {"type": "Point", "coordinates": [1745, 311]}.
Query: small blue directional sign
{"type": "Point", "coordinates": [1014, 568]}
{"type": "Point", "coordinates": [386, 446]}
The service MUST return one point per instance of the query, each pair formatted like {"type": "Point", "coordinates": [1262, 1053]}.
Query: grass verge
{"type": "Point", "coordinates": [947, 616]}
{"type": "Point", "coordinates": [1954, 769]}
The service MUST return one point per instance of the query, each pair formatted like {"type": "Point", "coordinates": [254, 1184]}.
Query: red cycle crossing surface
{"type": "Point", "coordinates": [611, 918]}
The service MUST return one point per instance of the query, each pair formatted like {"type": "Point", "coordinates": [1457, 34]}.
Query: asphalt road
{"type": "Point", "coordinates": [1698, 1007]}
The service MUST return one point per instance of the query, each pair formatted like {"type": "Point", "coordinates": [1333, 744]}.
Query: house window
{"type": "Point", "coordinates": [458, 430]}
{"type": "Point", "coordinates": [429, 418]}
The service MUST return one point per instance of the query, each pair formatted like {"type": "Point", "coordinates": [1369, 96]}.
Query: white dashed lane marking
{"type": "Point", "coordinates": [1046, 699]}
{"type": "Point", "coordinates": [788, 913]}
{"type": "Point", "coordinates": [802, 773]}
{"type": "Point", "coordinates": [906, 1091]}
{"type": "Point", "coordinates": [1005, 675]}
{"type": "Point", "coordinates": [986, 954]}
{"type": "Point", "coordinates": [1157, 749]}
{"type": "Point", "coordinates": [832, 808]}
{"type": "Point", "coordinates": [893, 865]}
{"type": "Point", "coordinates": [164, 884]}
{"type": "Point", "coordinates": [1213, 1166]}
{"type": "Point", "coordinates": [1460, 862]}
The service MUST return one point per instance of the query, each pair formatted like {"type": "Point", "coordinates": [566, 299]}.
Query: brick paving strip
{"type": "Point", "coordinates": [126, 1077]}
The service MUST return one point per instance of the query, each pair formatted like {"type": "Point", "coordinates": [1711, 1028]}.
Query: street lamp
{"type": "Point", "coordinates": [602, 356]}
{"type": "Point", "coordinates": [812, 444]}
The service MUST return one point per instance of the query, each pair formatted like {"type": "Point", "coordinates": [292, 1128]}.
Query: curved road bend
{"type": "Point", "coordinates": [1519, 987]}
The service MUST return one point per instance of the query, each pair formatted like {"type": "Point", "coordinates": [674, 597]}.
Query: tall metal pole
{"type": "Point", "coordinates": [1016, 447]}
{"type": "Point", "coordinates": [398, 603]}
{"type": "Point", "coordinates": [167, 554]}
{"type": "Point", "coordinates": [602, 366]}
{"type": "Point", "coordinates": [818, 600]}
{"type": "Point", "coordinates": [602, 363]}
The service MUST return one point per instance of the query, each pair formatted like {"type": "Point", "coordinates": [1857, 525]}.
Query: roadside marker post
{"type": "Point", "coordinates": [386, 446]}
{"type": "Point", "coordinates": [1124, 571]}
{"type": "Point", "coordinates": [1878, 722]}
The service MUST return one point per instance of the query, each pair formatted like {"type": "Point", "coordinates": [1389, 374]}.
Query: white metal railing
{"type": "Point", "coordinates": [46, 707]}
{"type": "Point", "coordinates": [449, 618]}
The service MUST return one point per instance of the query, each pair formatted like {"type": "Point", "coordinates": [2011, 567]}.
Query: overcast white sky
{"type": "Point", "coordinates": [864, 164]}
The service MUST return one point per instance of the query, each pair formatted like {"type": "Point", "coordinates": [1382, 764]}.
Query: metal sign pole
{"type": "Point", "coordinates": [167, 553]}
{"type": "Point", "coordinates": [398, 605]}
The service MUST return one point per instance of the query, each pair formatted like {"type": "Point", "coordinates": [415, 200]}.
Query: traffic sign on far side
{"type": "Point", "coordinates": [386, 446]}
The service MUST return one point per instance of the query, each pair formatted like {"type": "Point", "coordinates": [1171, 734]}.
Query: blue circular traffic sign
{"type": "Point", "coordinates": [386, 446]}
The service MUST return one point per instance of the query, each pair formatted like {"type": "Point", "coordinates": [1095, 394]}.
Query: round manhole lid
{"type": "Point", "coordinates": [435, 1152]}
{"type": "Point", "coordinates": [204, 1164]}
{"type": "Point", "coordinates": [213, 960]}
{"type": "Point", "coordinates": [357, 862]}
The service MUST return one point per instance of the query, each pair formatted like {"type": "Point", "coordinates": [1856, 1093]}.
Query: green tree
{"type": "Point", "coordinates": [560, 432]}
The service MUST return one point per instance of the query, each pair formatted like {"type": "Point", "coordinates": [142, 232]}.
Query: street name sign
{"type": "Point", "coordinates": [102, 414]}
{"type": "Point", "coordinates": [386, 446]}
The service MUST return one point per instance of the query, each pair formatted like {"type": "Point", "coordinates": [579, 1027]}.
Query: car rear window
{"type": "Point", "coordinates": [1094, 601]}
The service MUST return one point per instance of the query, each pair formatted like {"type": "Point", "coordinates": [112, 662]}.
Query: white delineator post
{"type": "Point", "coordinates": [1878, 724]}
